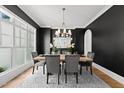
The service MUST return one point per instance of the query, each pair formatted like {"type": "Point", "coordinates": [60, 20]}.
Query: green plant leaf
{"type": "Point", "coordinates": [2, 69]}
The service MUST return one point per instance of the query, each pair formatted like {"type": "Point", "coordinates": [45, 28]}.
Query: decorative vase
{"type": "Point", "coordinates": [53, 53]}
{"type": "Point", "coordinates": [68, 53]}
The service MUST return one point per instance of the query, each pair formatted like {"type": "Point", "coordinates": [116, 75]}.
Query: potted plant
{"type": "Point", "coordinates": [70, 48]}
{"type": "Point", "coordinates": [2, 69]}
{"type": "Point", "coordinates": [54, 48]}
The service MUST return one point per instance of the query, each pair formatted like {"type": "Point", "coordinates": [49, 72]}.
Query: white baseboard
{"type": "Point", "coordinates": [10, 74]}
{"type": "Point", "coordinates": [113, 75]}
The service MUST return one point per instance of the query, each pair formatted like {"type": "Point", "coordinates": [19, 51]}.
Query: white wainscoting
{"type": "Point", "coordinates": [113, 75]}
{"type": "Point", "coordinates": [10, 74]}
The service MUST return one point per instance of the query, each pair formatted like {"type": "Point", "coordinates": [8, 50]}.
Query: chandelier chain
{"type": "Point", "coordinates": [63, 24]}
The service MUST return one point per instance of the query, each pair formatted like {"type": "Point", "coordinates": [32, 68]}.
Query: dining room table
{"type": "Point", "coordinates": [62, 58]}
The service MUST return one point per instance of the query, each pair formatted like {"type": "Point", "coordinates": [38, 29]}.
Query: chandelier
{"type": "Point", "coordinates": [63, 32]}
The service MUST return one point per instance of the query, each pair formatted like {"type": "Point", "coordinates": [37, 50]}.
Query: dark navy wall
{"type": "Point", "coordinates": [78, 35]}
{"type": "Point", "coordinates": [108, 39]}
{"type": "Point", "coordinates": [43, 40]}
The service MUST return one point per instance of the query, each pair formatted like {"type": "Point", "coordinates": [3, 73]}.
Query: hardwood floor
{"type": "Point", "coordinates": [18, 79]}
{"type": "Point", "coordinates": [113, 83]}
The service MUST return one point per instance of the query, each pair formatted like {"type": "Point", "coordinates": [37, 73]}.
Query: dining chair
{"type": "Point", "coordinates": [53, 65]}
{"type": "Point", "coordinates": [37, 63]}
{"type": "Point", "coordinates": [71, 65]}
{"type": "Point", "coordinates": [88, 63]}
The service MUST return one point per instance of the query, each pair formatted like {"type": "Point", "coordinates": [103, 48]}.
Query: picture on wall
{"type": "Point", "coordinates": [62, 42]}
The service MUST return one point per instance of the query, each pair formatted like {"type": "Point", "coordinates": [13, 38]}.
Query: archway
{"type": "Point", "coordinates": [87, 41]}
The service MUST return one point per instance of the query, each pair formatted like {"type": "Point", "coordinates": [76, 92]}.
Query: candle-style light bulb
{"type": "Point", "coordinates": [58, 31]}
{"type": "Point", "coordinates": [69, 32]}
{"type": "Point", "coordinates": [64, 31]}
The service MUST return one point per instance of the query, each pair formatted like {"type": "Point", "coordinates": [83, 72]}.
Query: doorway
{"type": "Point", "coordinates": [87, 41]}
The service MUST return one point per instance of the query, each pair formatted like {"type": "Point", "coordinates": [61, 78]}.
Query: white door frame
{"type": "Point", "coordinates": [87, 42]}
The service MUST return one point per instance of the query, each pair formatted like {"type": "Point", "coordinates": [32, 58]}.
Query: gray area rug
{"type": "Point", "coordinates": [86, 80]}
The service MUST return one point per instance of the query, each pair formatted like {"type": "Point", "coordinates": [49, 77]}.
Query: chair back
{"type": "Point", "coordinates": [53, 63]}
{"type": "Point", "coordinates": [34, 54]}
{"type": "Point", "coordinates": [71, 63]}
{"type": "Point", "coordinates": [90, 54]}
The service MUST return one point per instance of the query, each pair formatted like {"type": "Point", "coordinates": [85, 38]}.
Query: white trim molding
{"type": "Point", "coordinates": [113, 75]}
{"type": "Point", "coordinates": [9, 75]}
{"type": "Point", "coordinates": [98, 15]}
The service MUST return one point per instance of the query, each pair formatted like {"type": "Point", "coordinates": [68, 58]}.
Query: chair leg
{"type": "Point", "coordinates": [58, 79]}
{"type": "Point", "coordinates": [37, 67]}
{"type": "Point", "coordinates": [33, 69]}
{"type": "Point", "coordinates": [77, 78]}
{"type": "Point", "coordinates": [80, 69]}
{"type": "Point", "coordinates": [91, 70]}
{"type": "Point", "coordinates": [87, 68]}
{"type": "Point", "coordinates": [60, 71]}
{"type": "Point", "coordinates": [43, 69]}
{"type": "Point", "coordinates": [65, 77]}
{"type": "Point", "coordinates": [47, 77]}
{"type": "Point", "coordinates": [62, 65]}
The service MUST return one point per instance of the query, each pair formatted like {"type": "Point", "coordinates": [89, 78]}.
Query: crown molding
{"type": "Point", "coordinates": [98, 15]}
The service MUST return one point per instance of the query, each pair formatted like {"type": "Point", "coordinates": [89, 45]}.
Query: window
{"type": "Point", "coordinates": [6, 16]}
{"type": "Point", "coordinates": [17, 37]}
{"type": "Point", "coordinates": [23, 38]}
{"type": "Point", "coordinates": [6, 34]}
{"type": "Point", "coordinates": [16, 40]}
{"type": "Point", "coordinates": [19, 57]}
{"type": "Point", "coordinates": [5, 58]}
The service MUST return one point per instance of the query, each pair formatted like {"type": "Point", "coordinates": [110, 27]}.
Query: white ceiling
{"type": "Point", "coordinates": [51, 15]}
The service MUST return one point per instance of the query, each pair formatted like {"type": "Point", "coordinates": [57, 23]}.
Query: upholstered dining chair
{"type": "Point", "coordinates": [37, 63]}
{"type": "Point", "coordinates": [53, 65]}
{"type": "Point", "coordinates": [88, 63]}
{"type": "Point", "coordinates": [71, 65]}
